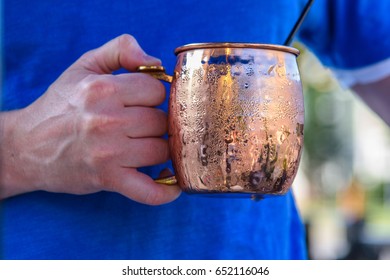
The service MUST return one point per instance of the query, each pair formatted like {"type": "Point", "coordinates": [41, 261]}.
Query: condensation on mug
{"type": "Point", "coordinates": [236, 117]}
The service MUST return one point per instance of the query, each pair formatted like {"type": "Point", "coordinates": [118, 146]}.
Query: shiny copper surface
{"type": "Point", "coordinates": [236, 118]}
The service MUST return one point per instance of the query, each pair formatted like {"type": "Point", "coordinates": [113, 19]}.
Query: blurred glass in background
{"type": "Point", "coordinates": [343, 184]}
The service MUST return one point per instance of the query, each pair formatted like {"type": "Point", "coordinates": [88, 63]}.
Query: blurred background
{"type": "Point", "coordinates": [343, 184]}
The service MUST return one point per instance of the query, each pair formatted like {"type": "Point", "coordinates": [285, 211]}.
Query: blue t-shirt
{"type": "Point", "coordinates": [41, 39]}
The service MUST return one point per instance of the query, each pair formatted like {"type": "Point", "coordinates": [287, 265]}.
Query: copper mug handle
{"type": "Point", "coordinates": [158, 72]}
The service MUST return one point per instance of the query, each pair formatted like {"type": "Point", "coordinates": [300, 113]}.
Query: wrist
{"type": "Point", "coordinates": [12, 178]}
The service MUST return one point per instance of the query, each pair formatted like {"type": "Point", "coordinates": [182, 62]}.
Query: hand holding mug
{"type": "Point", "coordinates": [91, 130]}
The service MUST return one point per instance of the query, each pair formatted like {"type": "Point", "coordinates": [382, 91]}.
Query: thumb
{"type": "Point", "coordinates": [121, 52]}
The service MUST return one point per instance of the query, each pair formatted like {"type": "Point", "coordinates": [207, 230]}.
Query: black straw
{"type": "Point", "coordinates": [298, 23]}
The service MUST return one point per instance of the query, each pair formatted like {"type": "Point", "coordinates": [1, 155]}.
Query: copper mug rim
{"type": "Point", "coordinates": [216, 45]}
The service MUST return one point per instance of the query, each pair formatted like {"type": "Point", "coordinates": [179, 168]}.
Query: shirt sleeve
{"type": "Point", "coordinates": [352, 37]}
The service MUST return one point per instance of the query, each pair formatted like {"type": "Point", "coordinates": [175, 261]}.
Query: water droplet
{"type": "Point", "coordinates": [270, 69]}
{"type": "Point", "coordinates": [282, 135]}
{"type": "Point", "coordinates": [203, 155]}
{"type": "Point", "coordinates": [250, 72]}
{"type": "Point", "coordinates": [255, 178]}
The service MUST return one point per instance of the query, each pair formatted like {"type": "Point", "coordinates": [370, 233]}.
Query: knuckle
{"type": "Point", "coordinates": [90, 124]}
{"type": "Point", "coordinates": [126, 42]}
{"type": "Point", "coordinates": [87, 56]}
{"type": "Point", "coordinates": [97, 94]}
{"type": "Point", "coordinates": [153, 198]}
{"type": "Point", "coordinates": [127, 39]}
{"type": "Point", "coordinates": [97, 156]}
{"type": "Point", "coordinates": [97, 124]}
{"type": "Point", "coordinates": [99, 159]}
{"type": "Point", "coordinates": [94, 88]}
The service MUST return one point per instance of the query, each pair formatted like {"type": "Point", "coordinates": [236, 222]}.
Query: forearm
{"type": "Point", "coordinates": [377, 96]}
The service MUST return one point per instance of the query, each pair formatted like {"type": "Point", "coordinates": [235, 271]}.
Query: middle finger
{"type": "Point", "coordinates": [144, 122]}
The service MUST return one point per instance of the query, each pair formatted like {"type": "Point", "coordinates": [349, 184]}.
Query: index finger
{"type": "Point", "coordinates": [137, 89]}
{"type": "Point", "coordinates": [121, 52]}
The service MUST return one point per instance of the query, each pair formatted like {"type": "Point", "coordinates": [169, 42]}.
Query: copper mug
{"type": "Point", "coordinates": [236, 116]}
